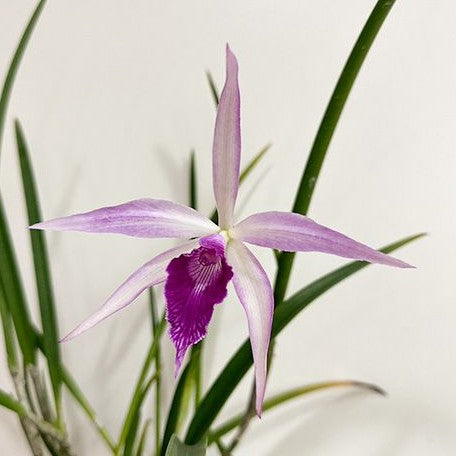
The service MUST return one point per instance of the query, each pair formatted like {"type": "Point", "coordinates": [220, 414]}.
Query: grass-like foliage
{"type": "Point", "coordinates": [36, 399]}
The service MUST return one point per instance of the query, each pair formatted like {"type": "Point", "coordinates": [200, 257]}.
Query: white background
{"type": "Point", "coordinates": [112, 96]}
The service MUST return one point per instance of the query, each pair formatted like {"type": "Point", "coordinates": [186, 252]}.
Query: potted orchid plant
{"type": "Point", "coordinates": [212, 252]}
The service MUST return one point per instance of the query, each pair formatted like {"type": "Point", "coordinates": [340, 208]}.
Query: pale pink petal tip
{"type": "Point", "coordinates": [148, 275]}
{"type": "Point", "coordinates": [255, 293]}
{"type": "Point", "coordinates": [146, 218]}
{"type": "Point", "coordinates": [226, 150]}
{"type": "Point", "coordinates": [291, 232]}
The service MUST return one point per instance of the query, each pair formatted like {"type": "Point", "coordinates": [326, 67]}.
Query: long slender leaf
{"type": "Point", "coordinates": [196, 350]}
{"type": "Point", "coordinates": [176, 408]}
{"type": "Point", "coordinates": [41, 264]}
{"type": "Point", "coordinates": [8, 333]}
{"type": "Point", "coordinates": [138, 397]}
{"type": "Point", "coordinates": [193, 183]}
{"type": "Point", "coordinates": [326, 130]}
{"type": "Point", "coordinates": [11, 403]}
{"type": "Point", "coordinates": [130, 441]}
{"type": "Point", "coordinates": [241, 361]}
{"type": "Point", "coordinates": [14, 65]}
{"type": "Point", "coordinates": [143, 438]}
{"type": "Point", "coordinates": [14, 294]}
{"type": "Point", "coordinates": [8, 270]}
{"type": "Point", "coordinates": [158, 403]}
{"type": "Point", "coordinates": [130, 428]}
{"type": "Point", "coordinates": [254, 162]}
{"type": "Point", "coordinates": [287, 396]}
{"type": "Point", "coordinates": [78, 395]}
{"type": "Point", "coordinates": [213, 87]}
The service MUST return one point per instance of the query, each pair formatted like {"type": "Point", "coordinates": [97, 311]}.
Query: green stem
{"type": "Point", "coordinates": [14, 66]}
{"type": "Point", "coordinates": [42, 270]}
{"type": "Point", "coordinates": [142, 378]}
{"type": "Point", "coordinates": [77, 394]}
{"type": "Point", "coordinates": [213, 87]}
{"type": "Point", "coordinates": [131, 422]}
{"type": "Point", "coordinates": [158, 404]}
{"type": "Point", "coordinates": [196, 351]}
{"type": "Point", "coordinates": [8, 333]}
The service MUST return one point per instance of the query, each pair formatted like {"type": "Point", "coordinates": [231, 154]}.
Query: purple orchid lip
{"type": "Point", "coordinates": [197, 272]}
{"type": "Point", "coordinates": [196, 282]}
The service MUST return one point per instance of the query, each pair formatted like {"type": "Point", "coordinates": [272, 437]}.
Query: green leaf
{"type": "Point", "coordinates": [326, 130]}
{"type": "Point", "coordinates": [175, 411]}
{"type": "Point", "coordinates": [130, 441]}
{"type": "Point", "coordinates": [193, 187]}
{"type": "Point", "coordinates": [13, 292]}
{"type": "Point", "coordinates": [196, 350]}
{"type": "Point", "coordinates": [213, 87]}
{"type": "Point", "coordinates": [11, 403]}
{"type": "Point", "coordinates": [41, 264]}
{"type": "Point", "coordinates": [253, 163]}
{"type": "Point", "coordinates": [8, 333]}
{"type": "Point", "coordinates": [130, 427]}
{"type": "Point", "coordinates": [9, 272]}
{"type": "Point", "coordinates": [143, 438]}
{"type": "Point", "coordinates": [138, 393]}
{"type": "Point", "coordinates": [241, 361]}
{"type": "Point", "coordinates": [14, 65]}
{"type": "Point", "coordinates": [286, 396]}
{"type": "Point", "coordinates": [78, 395]}
{"type": "Point", "coordinates": [177, 448]}
{"type": "Point", "coordinates": [158, 363]}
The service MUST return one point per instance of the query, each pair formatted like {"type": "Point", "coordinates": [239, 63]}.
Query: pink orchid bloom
{"type": "Point", "coordinates": [197, 272]}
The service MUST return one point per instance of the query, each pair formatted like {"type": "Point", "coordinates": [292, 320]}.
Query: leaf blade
{"type": "Point", "coordinates": [14, 293]}
{"type": "Point", "coordinates": [14, 66]}
{"type": "Point", "coordinates": [327, 128]}
{"type": "Point", "coordinates": [41, 266]}
{"type": "Point", "coordinates": [175, 409]}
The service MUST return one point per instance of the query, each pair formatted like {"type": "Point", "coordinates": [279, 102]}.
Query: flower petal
{"type": "Point", "coordinates": [255, 293]}
{"type": "Point", "coordinates": [146, 218]}
{"type": "Point", "coordinates": [151, 273]}
{"type": "Point", "coordinates": [293, 232]}
{"type": "Point", "coordinates": [196, 282]}
{"type": "Point", "coordinates": [226, 152]}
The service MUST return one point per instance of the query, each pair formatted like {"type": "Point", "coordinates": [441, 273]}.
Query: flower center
{"type": "Point", "coordinates": [208, 257]}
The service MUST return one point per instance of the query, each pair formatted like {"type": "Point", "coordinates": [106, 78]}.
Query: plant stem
{"type": "Point", "coordinates": [142, 376]}
{"type": "Point", "coordinates": [158, 405]}
{"type": "Point", "coordinates": [77, 394]}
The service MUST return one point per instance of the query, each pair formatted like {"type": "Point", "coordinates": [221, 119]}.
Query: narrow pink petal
{"type": "Point", "coordinates": [226, 151]}
{"type": "Point", "coordinates": [293, 232]}
{"type": "Point", "coordinates": [255, 293]}
{"type": "Point", "coordinates": [148, 275]}
{"type": "Point", "coordinates": [145, 218]}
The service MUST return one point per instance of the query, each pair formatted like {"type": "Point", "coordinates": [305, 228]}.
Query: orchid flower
{"type": "Point", "coordinates": [197, 272]}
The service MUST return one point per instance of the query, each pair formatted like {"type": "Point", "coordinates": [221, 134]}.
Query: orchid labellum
{"type": "Point", "coordinates": [197, 272]}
